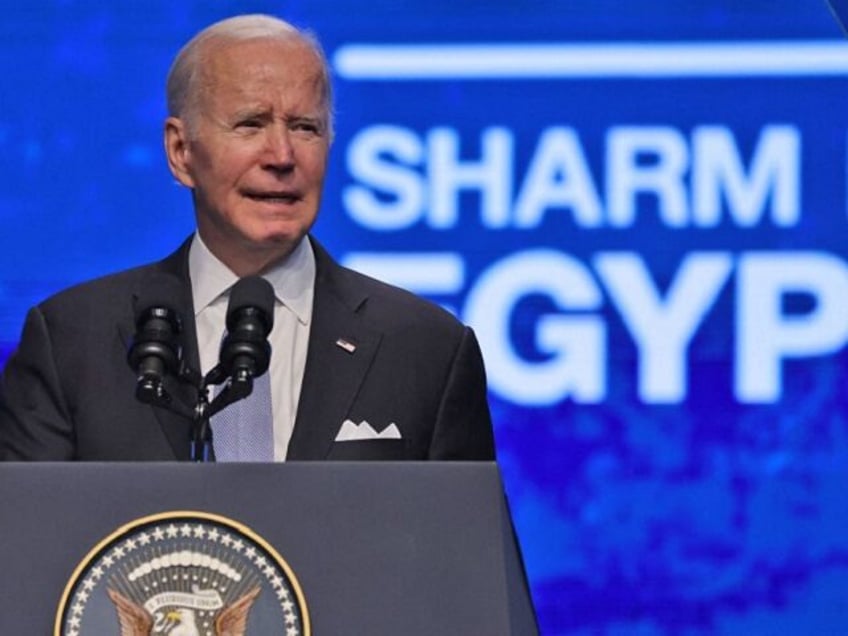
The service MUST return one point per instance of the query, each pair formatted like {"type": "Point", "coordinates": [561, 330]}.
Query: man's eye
{"type": "Point", "coordinates": [306, 126]}
{"type": "Point", "coordinates": [249, 123]}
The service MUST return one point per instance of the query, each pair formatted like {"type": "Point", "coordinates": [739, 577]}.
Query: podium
{"type": "Point", "coordinates": [375, 547]}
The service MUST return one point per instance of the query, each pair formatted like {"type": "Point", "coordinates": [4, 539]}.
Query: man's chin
{"type": "Point", "coordinates": [247, 250]}
{"type": "Point", "coordinates": [274, 245]}
{"type": "Point", "coordinates": [277, 241]}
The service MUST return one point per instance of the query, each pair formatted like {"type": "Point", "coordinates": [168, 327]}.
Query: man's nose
{"type": "Point", "coordinates": [279, 152]}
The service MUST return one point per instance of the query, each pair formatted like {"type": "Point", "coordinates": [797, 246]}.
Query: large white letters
{"type": "Point", "coordinates": [775, 174]}
{"type": "Point", "coordinates": [558, 177]}
{"type": "Point", "coordinates": [368, 161]}
{"type": "Point", "coordinates": [491, 176]}
{"type": "Point", "coordinates": [663, 327]}
{"type": "Point", "coordinates": [576, 343]}
{"type": "Point", "coordinates": [402, 178]}
{"type": "Point", "coordinates": [405, 180]}
{"type": "Point", "coordinates": [647, 160]}
{"type": "Point", "coordinates": [766, 336]}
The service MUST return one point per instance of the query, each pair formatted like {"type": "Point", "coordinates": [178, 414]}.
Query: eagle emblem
{"type": "Point", "coordinates": [182, 621]}
{"type": "Point", "coordinates": [183, 574]}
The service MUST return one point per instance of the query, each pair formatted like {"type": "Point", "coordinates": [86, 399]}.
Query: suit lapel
{"type": "Point", "coordinates": [332, 376]}
{"type": "Point", "coordinates": [333, 373]}
{"type": "Point", "coordinates": [174, 269]}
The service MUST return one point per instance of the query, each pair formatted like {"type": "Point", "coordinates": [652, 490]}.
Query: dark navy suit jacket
{"type": "Point", "coordinates": [68, 392]}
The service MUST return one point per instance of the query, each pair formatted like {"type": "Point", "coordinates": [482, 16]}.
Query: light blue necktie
{"type": "Point", "coordinates": [244, 430]}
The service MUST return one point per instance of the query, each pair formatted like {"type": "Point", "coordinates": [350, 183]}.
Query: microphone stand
{"type": "Point", "coordinates": [201, 431]}
{"type": "Point", "coordinates": [245, 352]}
{"type": "Point", "coordinates": [152, 390]}
{"type": "Point", "coordinates": [237, 387]}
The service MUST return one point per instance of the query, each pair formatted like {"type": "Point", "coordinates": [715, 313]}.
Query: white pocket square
{"type": "Point", "coordinates": [350, 432]}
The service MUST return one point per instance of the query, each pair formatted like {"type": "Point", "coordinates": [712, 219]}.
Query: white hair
{"type": "Point", "coordinates": [182, 86]}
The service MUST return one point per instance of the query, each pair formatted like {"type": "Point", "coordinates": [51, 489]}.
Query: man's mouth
{"type": "Point", "coordinates": [273, 196]}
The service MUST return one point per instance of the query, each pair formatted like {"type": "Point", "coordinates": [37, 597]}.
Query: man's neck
{"type": "Point", "coordinates": [250, 260]}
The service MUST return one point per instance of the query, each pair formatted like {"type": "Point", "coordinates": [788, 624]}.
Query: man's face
{"type": "Point", "coordinates": [255, 150]}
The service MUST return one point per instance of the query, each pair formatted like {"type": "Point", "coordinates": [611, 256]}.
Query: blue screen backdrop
{"type": "Point", "coordinates": [641, 207]}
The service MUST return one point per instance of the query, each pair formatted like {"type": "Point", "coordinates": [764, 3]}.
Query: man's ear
{"type": "Point", "coordinates": [177, 150]}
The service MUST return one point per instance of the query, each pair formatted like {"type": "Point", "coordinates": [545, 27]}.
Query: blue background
{"type": "Point", "coordinates": [705, 515]}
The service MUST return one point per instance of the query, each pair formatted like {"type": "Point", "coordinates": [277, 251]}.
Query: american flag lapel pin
{"type": "Point", "coordinates": [346, 345]}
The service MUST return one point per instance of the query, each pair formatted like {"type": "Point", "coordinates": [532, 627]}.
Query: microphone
{"type": "Point", "coordinates": [246, 352]}
{"type": "Point", "coordinates": [156, 347]}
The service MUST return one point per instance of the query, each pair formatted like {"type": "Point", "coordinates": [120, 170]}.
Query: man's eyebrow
{"type": "Point", "coordinates": [251, 113]}
{"type": "Point", "coordinates": [315, 119]}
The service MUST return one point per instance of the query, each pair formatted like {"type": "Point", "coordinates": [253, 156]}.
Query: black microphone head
{"type": "Point", "coordinates": [164, 293]}
{"type": "Point", "coordinates": [157, 341]}
{"type": "Point", "coordinates": [250, 318]}
{"type": "Point", "coordinates": [254, 296]}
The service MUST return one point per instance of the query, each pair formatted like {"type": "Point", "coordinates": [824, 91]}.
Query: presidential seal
{"type": "Point", "coordinates": [182, 574]}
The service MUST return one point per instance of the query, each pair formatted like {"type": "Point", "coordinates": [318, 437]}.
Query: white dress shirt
{"type": "Point", "coordinates": [294, 285]}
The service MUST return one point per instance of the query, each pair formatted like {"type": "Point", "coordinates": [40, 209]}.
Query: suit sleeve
{"type": "Point", "coordinates": [34, 420]}
{"type": "Point", "coordinates": [463, 428]}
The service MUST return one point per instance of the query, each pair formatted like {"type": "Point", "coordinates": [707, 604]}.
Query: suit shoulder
{"type": "Point", "coordinates": [117, 288]}
{"type": "Point", "coordinates": [102, 289]}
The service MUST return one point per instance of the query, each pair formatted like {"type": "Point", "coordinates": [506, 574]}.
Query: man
{"type": "Point", "coordinates": [359, 370]}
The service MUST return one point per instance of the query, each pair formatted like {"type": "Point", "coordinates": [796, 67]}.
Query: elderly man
{"type": "Point", "coordinates": [359, 370]}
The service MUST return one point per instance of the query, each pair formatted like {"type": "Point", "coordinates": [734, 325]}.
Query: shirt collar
{"type": "Point", "coordinates": [293, 280]}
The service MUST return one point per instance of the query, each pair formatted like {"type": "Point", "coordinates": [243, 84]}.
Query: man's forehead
{"type": "Point", "coordinates": [248, 66]}
{"type": "Point", "coordinates": [238, 65]}
{"type": "Point", "coordinates": [292, 52]}
{"type": "Point", "coordinates": [253, 79]}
